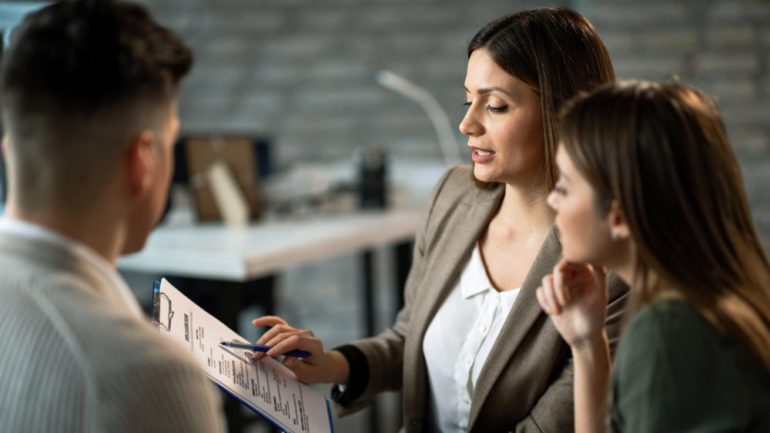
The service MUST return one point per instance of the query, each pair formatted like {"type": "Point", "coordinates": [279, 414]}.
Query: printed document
{"type": "Point", "coordinates": [267, 387]}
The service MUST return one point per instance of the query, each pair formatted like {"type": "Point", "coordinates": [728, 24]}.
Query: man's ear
{"type": "Point", "coordinates": [141, 159]}
{"type": "Point", "coordinates": [616, 219]}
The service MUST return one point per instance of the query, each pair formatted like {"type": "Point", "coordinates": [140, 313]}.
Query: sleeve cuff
{"type": "Point", "coordinates": [358, 377]}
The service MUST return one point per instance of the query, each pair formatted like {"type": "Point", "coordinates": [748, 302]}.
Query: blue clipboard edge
{"type": "Point", "coordinates": [256, 410]}
{"type": "Point", "coordinates": [253, 408]}
{"type": "Point", "coordinates": [329, 414]}
{"type": "Point", "coordinates": [156, 301]}
{"type": "Point", "coordinates": [267, 417]}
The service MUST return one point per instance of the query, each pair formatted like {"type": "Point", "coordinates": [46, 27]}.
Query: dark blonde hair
{"type": "Point", "coordinates": [557, 52]}
{"type": "Point", "coordinates": [661, 152]}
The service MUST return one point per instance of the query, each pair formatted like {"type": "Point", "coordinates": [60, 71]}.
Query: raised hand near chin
{"type": "Point", "coordinates": [575, 297]}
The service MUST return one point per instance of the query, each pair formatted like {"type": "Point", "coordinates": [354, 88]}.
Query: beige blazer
{"type": "Point", "coordinates": [526, 383]}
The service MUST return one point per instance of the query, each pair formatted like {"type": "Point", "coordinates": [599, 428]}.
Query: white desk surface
{"type": "Point", "coordinates": [214, 251]}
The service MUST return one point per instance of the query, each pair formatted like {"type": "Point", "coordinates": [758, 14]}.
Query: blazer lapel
{"type": "Point", "coordinates": [523, 314]}
{"type": "Point", "coordinates": [450, 254]}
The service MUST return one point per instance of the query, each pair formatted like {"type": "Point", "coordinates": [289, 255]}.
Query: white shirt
{"type": "Point", "coordinates": [103, 370]}
{"type": "Point", "coordinates": [27, 230]}
{"type": "Point", "coordinates": [458, 341]}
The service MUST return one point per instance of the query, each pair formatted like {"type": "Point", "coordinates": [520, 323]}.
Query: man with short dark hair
{"type": "Point", "coordinates": [89, 110]}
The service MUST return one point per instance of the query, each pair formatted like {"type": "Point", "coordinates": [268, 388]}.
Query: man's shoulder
{"type": "Point", "coordinates": [115, 341]}
{"type": "Point", "coordinates": [105, 337]}
{"type": "Point", "coordinates": [123, 367]}
{"type": "Point", "coordinates": [96, 341]}
{"type": "Point", "coordinates": [16, 259]}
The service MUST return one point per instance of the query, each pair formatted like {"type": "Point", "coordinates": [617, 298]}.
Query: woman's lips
{"type": "Point", "coordinates": [481, 156]}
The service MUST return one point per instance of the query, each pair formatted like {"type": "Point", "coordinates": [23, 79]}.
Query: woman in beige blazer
{"type": "Point", "coordinates": [487, 237]}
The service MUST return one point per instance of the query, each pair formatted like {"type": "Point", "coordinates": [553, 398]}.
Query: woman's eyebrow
{"type": "Point", "coordinates": [487, 90]}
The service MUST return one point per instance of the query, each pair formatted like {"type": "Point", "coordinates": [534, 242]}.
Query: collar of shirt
{"type": "Point", "coordinates": [474, 280]}
{"type": "Point", "coordinates": [28, 230]}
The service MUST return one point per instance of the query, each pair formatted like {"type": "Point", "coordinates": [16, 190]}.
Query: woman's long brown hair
{"type": "Point", "coordinates": [661, 152]}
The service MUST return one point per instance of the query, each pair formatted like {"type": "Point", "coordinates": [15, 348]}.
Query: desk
{"type": "Point", "coordinates": [230, 258]}
{"type": "Point", "coordinates": [216, 252]}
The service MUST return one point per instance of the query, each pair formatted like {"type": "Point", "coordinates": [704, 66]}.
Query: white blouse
{"type": "Point", "coordinates": [458, 341]}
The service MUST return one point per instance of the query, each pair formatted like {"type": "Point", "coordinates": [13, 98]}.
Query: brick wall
{"type": "Point", "coordinates": [720, 46]}
{"type": "Point", "coordinates": [302, 71]}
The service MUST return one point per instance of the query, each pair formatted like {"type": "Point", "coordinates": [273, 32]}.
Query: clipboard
{"type": "Point", "coordinates": [266, 387]}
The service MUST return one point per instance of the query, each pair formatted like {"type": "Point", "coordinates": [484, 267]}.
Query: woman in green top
{"type": "Point", "coordinates": [650, 188]}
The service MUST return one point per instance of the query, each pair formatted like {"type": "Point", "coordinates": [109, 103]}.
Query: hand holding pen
{"type": "Point", "coordinates": [319, 367]}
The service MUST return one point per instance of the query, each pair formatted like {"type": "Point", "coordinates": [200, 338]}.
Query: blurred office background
{"type": "Point", "coordinates": [301, 75]}
{"type": "Point", "coordinates": [302, 72]}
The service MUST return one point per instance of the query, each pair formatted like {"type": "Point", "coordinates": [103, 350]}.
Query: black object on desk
{"type": "Point", "coordinates": [372, 178]}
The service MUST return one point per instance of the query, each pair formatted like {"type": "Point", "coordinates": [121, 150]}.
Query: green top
{"type": "Point", "coordinates": [675, 373]}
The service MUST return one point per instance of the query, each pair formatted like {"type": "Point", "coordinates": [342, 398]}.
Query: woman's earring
{"type": "Point", "coordinates": [615, 236]}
